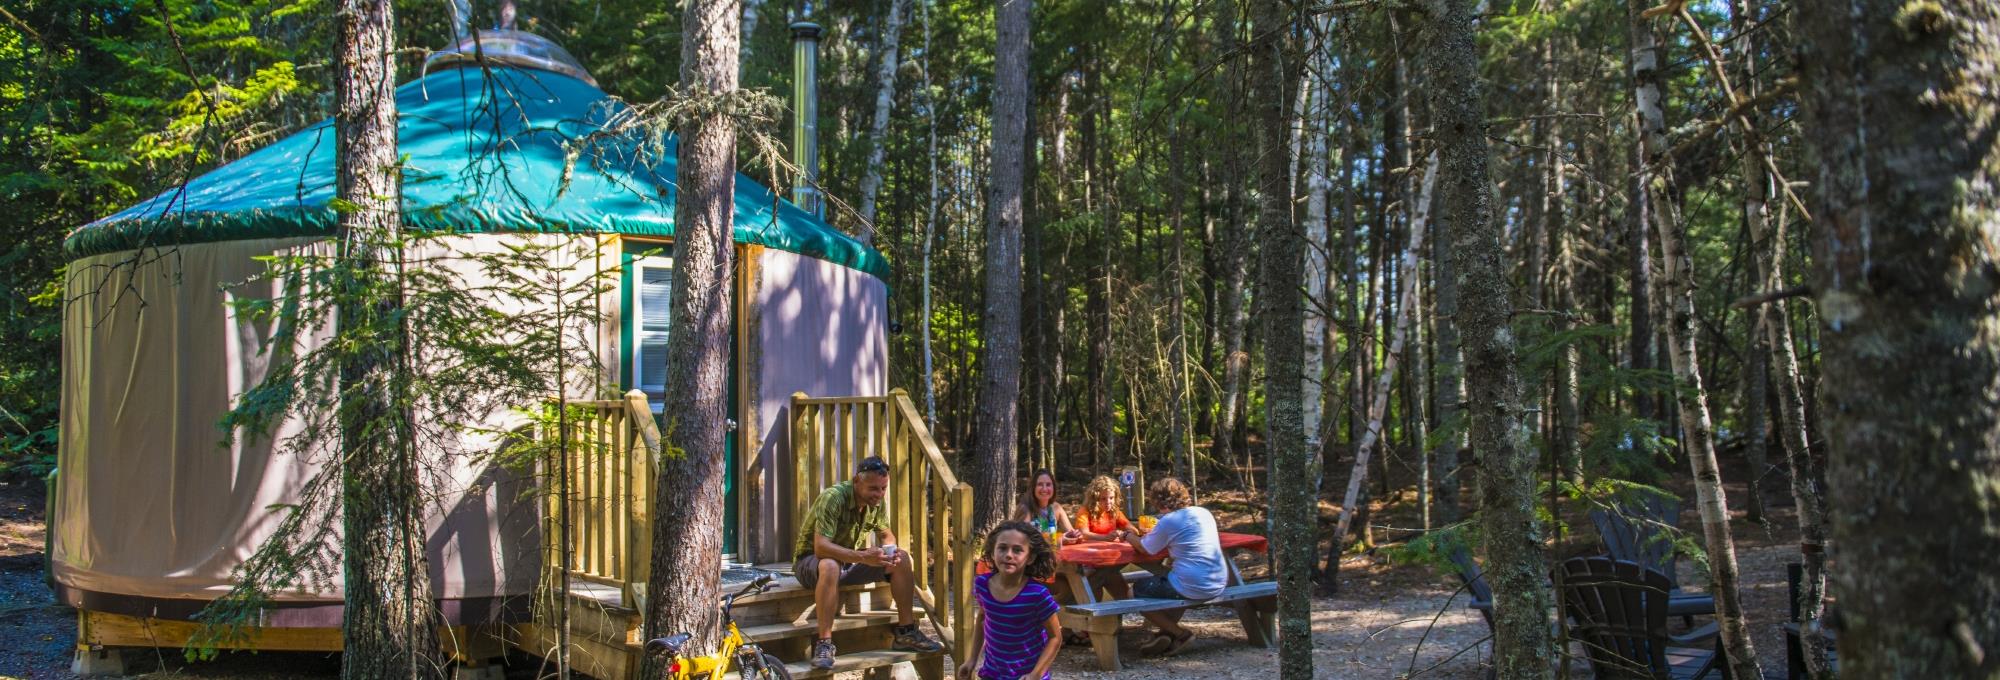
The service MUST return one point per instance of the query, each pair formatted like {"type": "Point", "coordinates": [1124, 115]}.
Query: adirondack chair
{"type": "Point", "coordinates": [1618, 611]}
{"type": "Point", "coordinates": [1634, 534]}
{"type": "Point", "coordinates": [1477, 589]}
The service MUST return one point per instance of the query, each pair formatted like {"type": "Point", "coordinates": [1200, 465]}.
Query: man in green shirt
{"type": "Point", "coordinates": [828, 557]}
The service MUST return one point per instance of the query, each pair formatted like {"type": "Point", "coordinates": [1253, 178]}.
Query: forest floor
{"type": "Point", "coordinates": [1389, 621]}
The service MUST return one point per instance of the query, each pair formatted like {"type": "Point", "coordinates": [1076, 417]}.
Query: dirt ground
{"type": "Point", "coordinates": [1390, 621]}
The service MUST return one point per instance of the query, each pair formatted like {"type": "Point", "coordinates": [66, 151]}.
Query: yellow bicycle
{"type": "Point", "coordinates": [750, 659]}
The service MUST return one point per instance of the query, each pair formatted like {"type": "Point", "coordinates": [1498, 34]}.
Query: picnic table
{"type": "Point", "coordinates": [1077, 562]}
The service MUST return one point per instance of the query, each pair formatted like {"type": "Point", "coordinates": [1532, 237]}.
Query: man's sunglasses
{"type": "Point", "coordinates": [872, 467]}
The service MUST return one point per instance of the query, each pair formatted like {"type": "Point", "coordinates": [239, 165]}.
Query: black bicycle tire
{"type": "Point", "coordinates": [773, 669]}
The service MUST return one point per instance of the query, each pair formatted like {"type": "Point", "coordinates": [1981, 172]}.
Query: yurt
{"type": "Point", "coordinates": [152, 514]}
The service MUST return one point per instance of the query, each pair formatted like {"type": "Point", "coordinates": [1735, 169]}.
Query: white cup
{"type": "Point", "coordinates": [889, 552]}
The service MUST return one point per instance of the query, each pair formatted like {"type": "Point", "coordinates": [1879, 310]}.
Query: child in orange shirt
{"type": "Point", "coordinates": [1100, 519]}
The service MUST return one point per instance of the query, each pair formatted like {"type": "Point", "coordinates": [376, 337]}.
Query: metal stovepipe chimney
{"type": "Point", "coordinates": [805, 112]}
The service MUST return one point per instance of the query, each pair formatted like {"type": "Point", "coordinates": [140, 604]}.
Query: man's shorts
{"type": "Point", "coordinates": [807, 571]}
{"type": "Point", "coordinates": [1156, 587]}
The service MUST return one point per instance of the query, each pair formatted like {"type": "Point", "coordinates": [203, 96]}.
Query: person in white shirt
{"type": "Point", "coordinates": [1186, 532]}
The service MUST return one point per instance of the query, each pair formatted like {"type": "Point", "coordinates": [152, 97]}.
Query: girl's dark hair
{"type": "Point", "coordinates": [1028, 501]}
{"type": "Point", "coordinates": [1041, 558]}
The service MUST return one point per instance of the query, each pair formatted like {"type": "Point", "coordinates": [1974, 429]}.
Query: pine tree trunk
{"type": "Point", "coordinates": [389, 630]}
{"type": "Point", "coordinates": [993, 478]}
{"type": "Point", "coordinates": [1294, 514]}
{"type": "Point", "coordinates": [1553, 253]}
{"type": "Point", "coordinates": [1515, 566]}
{"type": "Point", "coordinates": [1900, 99]}
{"type": "Point", "coordinates": [878, 129]}
{"type": "Point", "coordinates": [687, 511]}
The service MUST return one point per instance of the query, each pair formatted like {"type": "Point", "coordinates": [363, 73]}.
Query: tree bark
{"type": "Point", "coordinates": [1513, 538]}
{"type": "Point", "coordinates": [1294, 514]}
{"type": "Point", "coordinates": [1900, 101]}
{"type": "Point", "coordinates": [389, 630]}
{"type": "Point", "coordinates": [878, 129]}
{"type": "Point", "coordinates": [687, 511]}
{"type": "Point", "coordinates": [1000, 389]}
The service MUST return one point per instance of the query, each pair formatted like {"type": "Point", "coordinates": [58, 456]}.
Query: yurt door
{"type": "Point", "coordinates": [648, 288]}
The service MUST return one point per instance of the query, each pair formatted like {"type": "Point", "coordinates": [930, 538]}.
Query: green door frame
{"type": "Point", "coordinates": [630, 253]}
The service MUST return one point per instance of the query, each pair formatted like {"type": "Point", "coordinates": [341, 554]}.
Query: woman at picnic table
{"type": "Point", "coordinates": [1186, 532]}
{"type": "Point", "coordinates": [1039, 506]}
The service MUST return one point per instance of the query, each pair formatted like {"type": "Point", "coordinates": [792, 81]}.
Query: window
{"type": "Point", "coordinates": [652, 311]}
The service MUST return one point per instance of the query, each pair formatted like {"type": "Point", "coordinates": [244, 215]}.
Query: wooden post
{"type": "Point", "coordinates": [799, 440]}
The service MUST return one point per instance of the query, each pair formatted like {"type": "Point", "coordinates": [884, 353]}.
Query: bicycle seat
{"type": "Point", "coordinates": [671, 644]}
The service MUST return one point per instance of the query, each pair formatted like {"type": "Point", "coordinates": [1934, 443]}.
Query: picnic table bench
{"type": "Point", "coordinates": [1255, 603]}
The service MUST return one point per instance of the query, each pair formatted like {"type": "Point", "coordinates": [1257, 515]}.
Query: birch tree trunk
{"type": "Point", "coordinates": [930, 226]}
{"type": "Point", "coordinates": [1000, 390]}
{"type": "Point", "coordinates": [1768, 243]}
{"type": "Point", "coordinates": [1807, 469]}
{"type": "Point", "coordinates": [878, 129]}
{"type": "Point", "coordinates": [1515, 566]}
{"type": "Point", "coordinates": [1698, 436]}
{"type": "Point", "coordinates": [687, 512]}
{"type": "Point", "coordinates": [1697, 433]}
{"type": "Point", "coordinates": [1378, 405]}
{"type": "Point", "coordinates": [1900, 99]}
{"type": "Point", "coordinates": [1294, 514]}
{"type": "Point", "coordinates": [1317, 121]}
{"type": "Point", "coordinates": [389, 630]}
{"type": "Point", "coordinates": [1646, 95]}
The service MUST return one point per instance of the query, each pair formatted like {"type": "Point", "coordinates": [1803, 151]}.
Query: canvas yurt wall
{"type": "Point", "coordinates": [151, 509]}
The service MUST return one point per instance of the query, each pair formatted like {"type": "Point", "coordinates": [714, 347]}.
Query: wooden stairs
{"type": "Point", "coordinates": [605, 632]}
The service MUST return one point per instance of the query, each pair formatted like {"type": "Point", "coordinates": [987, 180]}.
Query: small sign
{"type": "Point", "coordinates": [1128, 477]}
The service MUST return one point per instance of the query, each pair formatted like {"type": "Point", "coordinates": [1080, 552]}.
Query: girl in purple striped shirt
{"type": "Point", "coordinates": [1018, 634]}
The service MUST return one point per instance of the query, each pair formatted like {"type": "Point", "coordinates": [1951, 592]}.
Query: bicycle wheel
{"type": "Point", "coordinates": [767, 668]}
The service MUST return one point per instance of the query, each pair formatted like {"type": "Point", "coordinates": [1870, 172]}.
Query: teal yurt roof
{"type": "Point", "coordinates": [485, 150]}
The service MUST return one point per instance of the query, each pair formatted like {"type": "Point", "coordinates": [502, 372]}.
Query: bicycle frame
{"type": "Point", "coordinates": [733, 644]}
{"type": "Point", "coordinates": [688, 668]}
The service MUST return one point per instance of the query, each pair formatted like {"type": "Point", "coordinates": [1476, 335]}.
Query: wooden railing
{"type": "Point", "coordinates": [606, 493]}
{"type": "Point", "coordinates": [929, 509]}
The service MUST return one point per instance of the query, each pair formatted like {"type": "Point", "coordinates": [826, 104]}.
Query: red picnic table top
{"type": "Point", "coordinates": [1100, 554]}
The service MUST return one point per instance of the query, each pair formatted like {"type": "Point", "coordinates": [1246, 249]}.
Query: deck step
{"type": "Point", "coordinates": [855, 661]}
{"type": "Point", "coordinates": [780, 631]}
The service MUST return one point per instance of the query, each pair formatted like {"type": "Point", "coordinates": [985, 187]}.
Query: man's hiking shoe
{"type": "Point", "coordinates": [823, 653]}
{"type": "Point", "coordinates": [909, 639]}
{"type": "Point", "coordinates": [1163, 644]}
